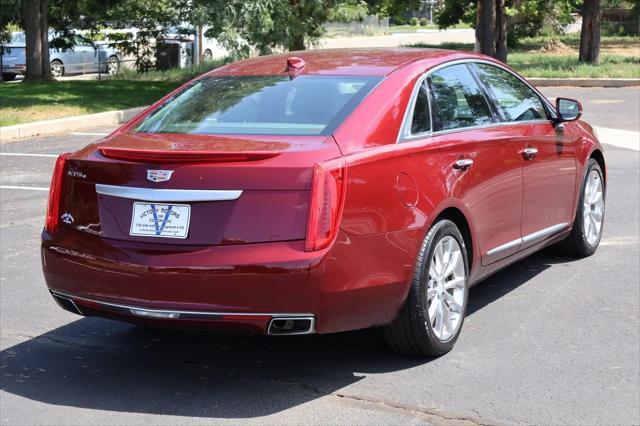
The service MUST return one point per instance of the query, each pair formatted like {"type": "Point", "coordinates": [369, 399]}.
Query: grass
{"type": "Point", "coordinates": [537, 57]}
{"type": "Point", "coordinates": [27, 102]}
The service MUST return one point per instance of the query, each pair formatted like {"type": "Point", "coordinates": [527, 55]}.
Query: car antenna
{"type": "Point", "coordinates": [294, 66]}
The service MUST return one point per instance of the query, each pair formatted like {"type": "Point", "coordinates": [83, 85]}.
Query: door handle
{"type": "Point", "coordinates": [529, 153]}
{"type": "Point", "coordinates": [463, 164]}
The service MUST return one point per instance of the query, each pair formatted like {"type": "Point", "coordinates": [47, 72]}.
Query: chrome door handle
{"type": "Point", "coordinates": [529, 153]}
{"type": "Point", "coordinates": [463, 164]}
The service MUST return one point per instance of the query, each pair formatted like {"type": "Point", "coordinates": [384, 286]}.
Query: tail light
{"type": "Point", "coordinates": [53, 208]}
{"type": "Point", "coordinates": [327, 197]}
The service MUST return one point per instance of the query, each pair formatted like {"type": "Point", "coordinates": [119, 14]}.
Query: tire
{"type": "Point", "coordinates": [57, 68]}
{"type": "Point", "coordinates": [582, 242]}
{"type": "Point", "coordinates": [9, 76]}
{"type": "Point", "coordinates": [413, 332]}
{"type": "Point", "coordinates": [112, 66]}
{"type": "Point", "coordinates": [207, 56]}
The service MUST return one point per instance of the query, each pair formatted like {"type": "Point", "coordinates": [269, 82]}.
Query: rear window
{"type": "Point", "coordinates": [271, 105]}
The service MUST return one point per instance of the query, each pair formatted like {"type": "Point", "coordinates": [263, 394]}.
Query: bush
{"type": "Point", "coordinates": [424, 22]}
{"type": "Point", "coordinates": [414, 22]}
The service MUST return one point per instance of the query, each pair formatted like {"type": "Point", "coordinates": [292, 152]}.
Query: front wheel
{"type": "Point", "coordinates": [587, 226]}
{"type": "Point", "coordinates": [113, 66]}
{"type": "Point", "coordinates": [431, 319]}
{"type": "Point", "coordinates": [57, 69]}
{"type": "Point", "coordinates": [9, 76]}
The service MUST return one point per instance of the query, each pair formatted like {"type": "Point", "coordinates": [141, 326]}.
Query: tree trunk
{"type": "Point", "coordinates": [501, 36]}
{"type": "Point", "coordinates": [44, 37]}
{"type": "Point", "coordinates": [36, 29]}
{"type": "Point", "coordinates": [491, 29]}
{"type": "Point", "coordinates": [33, 49]}
{"type": "Point", "coordinates": [590, 34]}
{"type": "Point", "coordinates": [297, 42]}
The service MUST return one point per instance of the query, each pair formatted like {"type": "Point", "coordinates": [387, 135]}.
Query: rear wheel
{"type": "Point", "coordinates": [587, 227]}
{"type": "Point", "coordinates": [431, 319]}
{"type": "Point", "coordinates": [57, 69]}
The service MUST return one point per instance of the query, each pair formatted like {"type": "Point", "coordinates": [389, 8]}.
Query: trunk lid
{"type": "Point", "coordinates": [234, 190]}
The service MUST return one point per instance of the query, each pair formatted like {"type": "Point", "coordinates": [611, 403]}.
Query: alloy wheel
{"type": "Point", "coordinates": [593, 208]}
{"type": "Point", "coordinates": [446, 288]}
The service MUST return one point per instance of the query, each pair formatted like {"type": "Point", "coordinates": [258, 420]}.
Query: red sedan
{"type": "Point", "coordinates": [331, 191]}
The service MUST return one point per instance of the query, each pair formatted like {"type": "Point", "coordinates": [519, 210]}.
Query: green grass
{"type": "Point", "coordinates": [27, 102]}
{"type": "Point", "coordinates": [619, 58]}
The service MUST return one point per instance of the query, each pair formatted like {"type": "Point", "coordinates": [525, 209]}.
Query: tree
{"type": "Point", "coordinates": [36, 29]}
{"type": "Point", "coordinates": [491, 29]}
{"type": "Point", "coordinates": [590, 34]}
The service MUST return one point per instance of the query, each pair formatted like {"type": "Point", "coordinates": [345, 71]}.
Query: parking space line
{"type": "Point", "coordinates": [89, 134]}
{"type": "Point", "coordinates": [17, 154]}
{"type": "Point", "coordinates": [30, 188]}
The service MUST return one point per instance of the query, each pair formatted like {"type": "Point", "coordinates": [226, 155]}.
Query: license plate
{"type": "Point", "coordinates": [160, 220]}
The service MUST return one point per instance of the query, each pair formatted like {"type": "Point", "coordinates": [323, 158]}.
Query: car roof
{"type": "Point", "coordinates": [372, 62]}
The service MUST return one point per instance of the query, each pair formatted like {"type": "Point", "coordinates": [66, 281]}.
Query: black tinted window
{"type": "Point", "coordinates": [271, 105]}
{"type": "Point", "coordinates": [516, 100]}
{"type": "Point", "coordinates": [457, 100]}
{"type": "Point", "coordinates": [421, 122]}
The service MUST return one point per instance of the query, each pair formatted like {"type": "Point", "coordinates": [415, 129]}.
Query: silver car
{"type": "Point", "coordinates": [84, 57]}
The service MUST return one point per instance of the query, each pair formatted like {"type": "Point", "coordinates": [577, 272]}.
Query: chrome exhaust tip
{"type": "Point", "coordinates": [289, 326]}
{"type": "Point", "coordinates": [66, 303]}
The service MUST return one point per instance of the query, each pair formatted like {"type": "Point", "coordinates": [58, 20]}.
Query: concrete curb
{"type": "Point", "coordinates": [67, 124]}
{"type": "Point", "coordinates": [584, 82]}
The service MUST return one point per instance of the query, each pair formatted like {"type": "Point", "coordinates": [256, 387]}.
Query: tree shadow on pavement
{"type": "Point", "coordinates": [105, 365]}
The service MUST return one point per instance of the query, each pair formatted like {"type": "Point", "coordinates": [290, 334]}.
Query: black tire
{"type": "Point", "coordinates": [411, 333]}
{"type": "Point", "coordinates": [54, 65]}
{"type": "Point", "coordinates": [9, 76]}
{"type": "Point", "coordinates": [576, 244]}
{"type": "Point", "coordinates": [112, 66]}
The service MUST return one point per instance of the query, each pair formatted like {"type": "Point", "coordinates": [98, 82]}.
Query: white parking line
{"type": "Point", "coordinates": [18, 154]}
{"type": "Point", "coordinates": [89, 134]}
{"type": "Point", "coordinates": [30, 188]}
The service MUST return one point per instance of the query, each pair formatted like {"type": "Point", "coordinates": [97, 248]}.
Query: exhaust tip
{"type": "Point", "coordinates": [66, 303]}
{"type": "Point", "coordinates": [288, 326]}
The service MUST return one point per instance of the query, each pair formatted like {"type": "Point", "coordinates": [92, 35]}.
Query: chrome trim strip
{"type": "Point", "coordinates": [538, 235]}
{"type": "Point", "coordinates": [402, 137]}
{"type": "Point", "coordinates": [128, 308]}
{"type": "Point", "coordinates": [165, 195]}
{"type": "Point", "coordinates": [505, 247]}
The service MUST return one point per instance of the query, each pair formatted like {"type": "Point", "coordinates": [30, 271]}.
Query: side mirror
{"type": "Point", "coordinates": [568, 109]}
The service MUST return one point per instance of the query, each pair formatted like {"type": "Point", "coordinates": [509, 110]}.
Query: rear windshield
{"type": "Point", "coordinates": [270, 105]}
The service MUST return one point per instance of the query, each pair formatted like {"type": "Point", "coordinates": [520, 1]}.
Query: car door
{"type": "Point", "coordinates": [549, 167]}
{"type": "Point", "coordinates": [478, 160]}
{"type": "Point", "coordinates": [88, 54]}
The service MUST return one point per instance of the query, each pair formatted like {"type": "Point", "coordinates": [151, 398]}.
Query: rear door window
{"type": "Point", "coordinates": [516, 100]}
{"type": "Point", "coordinates": [421, 122]}
{"type": "Point", "coordinates": [457, 100]}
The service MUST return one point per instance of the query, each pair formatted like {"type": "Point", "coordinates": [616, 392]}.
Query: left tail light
{"type": "Point", "coordinates": [325, 208]}
{"type": "Point", "coordinates": [53, 208]}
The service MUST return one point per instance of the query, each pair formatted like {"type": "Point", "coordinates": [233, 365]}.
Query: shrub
{"type": "Point", "coordinates": [414, 21]}
{"type": "Point", "coordinates": [424, 22]}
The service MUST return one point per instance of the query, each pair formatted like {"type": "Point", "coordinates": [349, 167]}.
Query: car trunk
{"type": "Point", "coordinates": [213, 190]}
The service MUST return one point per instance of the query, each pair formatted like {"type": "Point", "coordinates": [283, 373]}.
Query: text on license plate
{"type": "Point", "coordinates": [160, 220]}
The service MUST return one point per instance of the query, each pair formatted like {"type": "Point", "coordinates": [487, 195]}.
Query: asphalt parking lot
{"type": "Point", "coordinates": [549, 340]}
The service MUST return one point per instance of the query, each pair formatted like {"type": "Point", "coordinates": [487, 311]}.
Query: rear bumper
{"type": "Point", "coordinates": [358, 282]}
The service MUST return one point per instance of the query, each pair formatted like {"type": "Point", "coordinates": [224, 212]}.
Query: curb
{"type": "Point", "coordinates": [584, 82]}
{"type": "Point", "coordinates": [66, 124]}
